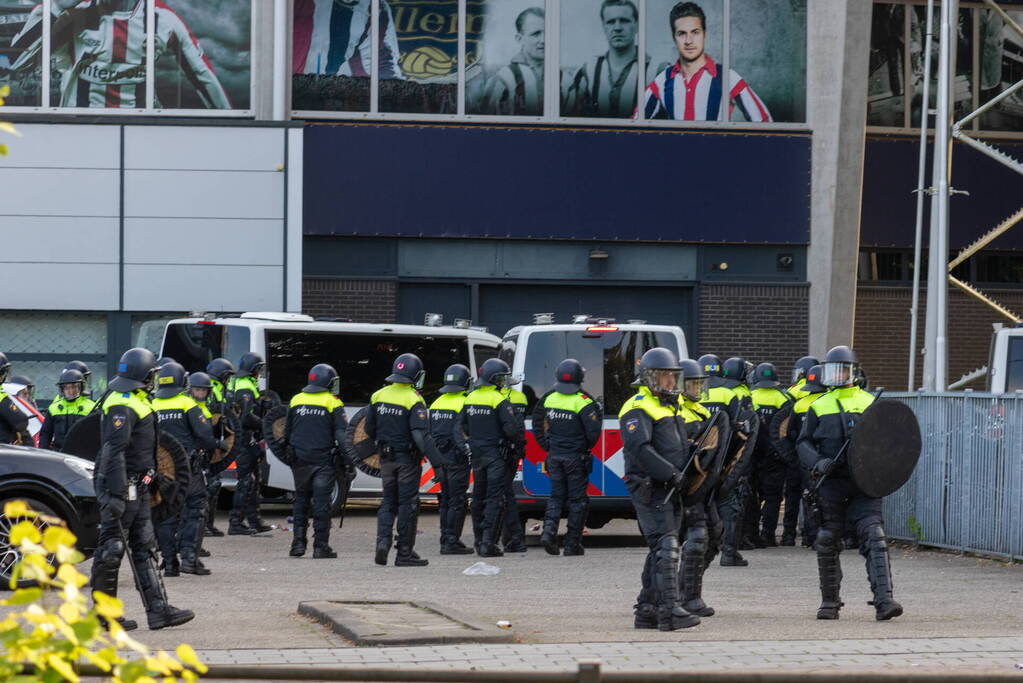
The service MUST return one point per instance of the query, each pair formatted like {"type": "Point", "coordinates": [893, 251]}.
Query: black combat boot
{"type": "Point", "coordinates": [383, 547]}
{"type": "Point", "coordinates": [788, 539]}
{"type": "Point", "coordinates": [159, 613]}
{"type": "Point", "coordinates": [830, 571]}
{"type": "Point", "coordinates": [730, 557]}
{"type": "Point", "coordinates": [573, 550]}
{"type": "Point", "coordinates": [191, 564]}
{"type": "Point", "coordinates": [879, 571]}
{"type": "Point", "coordinates": [298, 540]}
{"type": "Point", "coordinates": [323, 552]}
{"type": "Point", "coordinates": [646, 615]}
{"type": "Point", "coordinates": [670, 615]}
{"type": "Point", "coordinates": [258, 526]}
{"type": "Point", "coordinates": [236, 527]}
{"type": "Point", "coordinates": [691, 582]}
{"type": "Point", "coordinates": [171, 566]}
{"type": "Point", "coordinates": [770, 540]}
{"type": "Point", "coordinates": [549, 539]}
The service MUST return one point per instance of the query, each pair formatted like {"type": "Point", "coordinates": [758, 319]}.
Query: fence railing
{"type": "Point", "coordinates": [967, 491]}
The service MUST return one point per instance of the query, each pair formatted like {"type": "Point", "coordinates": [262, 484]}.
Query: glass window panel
{"type": "Point", "coordinates": [1014, 376]}
{"type": "Point", "coordinates": [21, 52]}
{"type": "Point", "coordinates": [687, 53]}
{"type": "Point", "coordinates": [203, 54]}
{"type": "Point", "coordinates": [962, 84]}
{"type": "Point", "coordinates": [66, 333]}
{"type": "Point", "coordinates": [768, 61]}
{"type": "Point", "coordinates": [885, 101]}
{"type": "Point", "coordinates": [332, 54]}
{"type": "Point", "coordinates": [419, 56]}
{"type": "Point", "coordinates": [599, 48]}
{"type": "Point", "coordinates": [1001, 65]}
{"type": "Point", "coordinates": [507, 79]}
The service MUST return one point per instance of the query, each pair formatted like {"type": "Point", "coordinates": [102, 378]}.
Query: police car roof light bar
{"type": "Point", "coordinates": [463, 324]}
{"type": "Point", "coordinates": [433, 319]}
{"type": "Point", "coordinates": [580, 318]}
{"type": "Point", "coordinates": [543, 318]}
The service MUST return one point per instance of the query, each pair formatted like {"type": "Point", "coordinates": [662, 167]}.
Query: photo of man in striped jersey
{"type": "Point", "coordinates": [691, 88]}
{"type": "Point", "coordinates": [517, 89]}
{"type": "Point", "coordinates": [99, 49]}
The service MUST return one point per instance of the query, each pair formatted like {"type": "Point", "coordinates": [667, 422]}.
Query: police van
{"type": "Point", "coordinates": [362, 353]}
{"type": "Point", "coordinates": [610, 352]}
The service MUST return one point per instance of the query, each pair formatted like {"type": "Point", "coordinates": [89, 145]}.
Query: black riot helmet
{"type": "Point", "coordinates": [71, 378]}
{"type": "Point", "coordinates": [25, 381]}
{"type": "Point", "coordinates": [840, 367]}
{"type": "Point", "coordinates": [135, 370]}
{"type": "Point", "coordinates": [251, 364]}
{"type": "Point", "coordinates": [801, 366]}
{"type": "Point", "coordinates": [323, 377]}
{"type": "Point", "coordinates": [569, 376]}
{"type": "Point", "coordinates": [660, 372]}
{"type": "Point", "coordinates": [199, 386]}
{"type": "Point", "coordinates": [765, 376]}
{"type": "Point", "coordinates": [710, 364]}
{"type": "Point", "coordinates": [813, 380]}
{"type": "Point", "coordinates": [734, 369]}
{"type": "Point", "coordinates": [5, 366]}
{"type": "Point", "coordinates": [494, 372]}
{"type": "Point", "coordinates": [81, 367]}
{"type": "Point", "coordinates": [163, 360]}
{"type": "Point", "coordinates": [694, 380]}
{"type": "Point", "coordinates": [407, 369]}
{"type": "Point", "coordinates": [457, 378]}
{"type": "Point", "coordinates": [861, 378]}
{"type": "Point", "coordinates": [221, 369]}
{"type": "Point", "coordinates": [171, 380]}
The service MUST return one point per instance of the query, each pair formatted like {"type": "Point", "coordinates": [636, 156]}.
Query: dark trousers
{"type": "Point", "coordinates": [454, 497]}
{"type": "Point", "coordinates": [729, 509]}
{"type": "Point", "coordinates": [751, 501]}
{"type": "Point", "coordinates": [772, 485]}
{"type": "Point", "coordinates": [488, 497]}
{"type": "Point", "coordinates": [793, 497]}
{"type": "Point", "coordinates": [659, 522]}
{"type": "Point", "coordinates": [570, 477]}
{"type": "Point", "coordinates": [842, 503]}
{"type": "Point", "coordinates": [138, 529]}
{"type": "Point", "coordinates": [246, 493]}
{"type": "Point", "coordinates": [400, 475]}
{"type": "Point", "coordinates": [513, 533]}
{"type": "Point", "coordinates": [213, 486]}
{"type": "Point", "coordinates": [181, 532]}
{"type": "Point", "coordinates": [314, 483]}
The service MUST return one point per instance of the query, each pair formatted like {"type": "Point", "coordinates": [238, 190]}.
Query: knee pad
{"type": "Point", "coordinates": [696, 539]}
{"type": "Point", "coordinates": [873, 538]}
{"type": "Point", "coordinates": [827, 543]}
{"type": "Point", "coordinates": [109, 554]}
{"type": "Point", "coordinates": [668, 547]}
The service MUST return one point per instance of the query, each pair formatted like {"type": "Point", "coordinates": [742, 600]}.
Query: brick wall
{"type": "Point", "coordinates": [882, 332]}
{"type": "Point", "coordinates": [373, 301]}
{"type": "Point", "coordinates": [759, 322]}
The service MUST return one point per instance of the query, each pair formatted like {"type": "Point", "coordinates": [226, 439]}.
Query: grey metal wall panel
{"type": "Point", "coordinates": [59, 192]}
{"type": "Point", "coordinates": [60, 286]}
{"type": "Point", "coordinates": [203, 148]}
{"type": "Point", "coordinates": [50, 239]}
{"type": "Point", "coordinates": [209, 288]}
{"type": "Point", "coordinates": [203, 194]}
{"type": "Point", "coordinates": [202, 241]}
{"type": "Point", "coordinates": [63, 146]}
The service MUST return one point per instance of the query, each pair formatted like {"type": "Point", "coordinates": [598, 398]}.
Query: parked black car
{"type": "Point", "coordinates": [51, 483]}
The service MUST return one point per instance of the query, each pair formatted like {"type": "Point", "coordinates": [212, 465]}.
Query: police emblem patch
{"type": "Point", "coordinates": [118, 421]}
{"type": "Point", "coordinates": [632, 425]}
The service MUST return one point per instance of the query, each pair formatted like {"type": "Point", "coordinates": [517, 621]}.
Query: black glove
{"type": "Point", "coordinates": [821, 467]}
{"type": "Point", "coordinates": [223, 446]}
{"type": "Point", "coordinates": [112, 506]}
{"type": "Point", "coordinates": [676, 481]}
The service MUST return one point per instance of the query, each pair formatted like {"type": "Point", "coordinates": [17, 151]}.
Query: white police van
{"type": "Point", "coordinates": [610, 352]}
{"type": "Point", "coordinates": [362, 353]}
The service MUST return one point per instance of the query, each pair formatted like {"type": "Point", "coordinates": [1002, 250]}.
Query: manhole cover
{"type": "Point", "coordinates": [367, 622]}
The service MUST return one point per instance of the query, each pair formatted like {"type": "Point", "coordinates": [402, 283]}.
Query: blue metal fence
{"type": "Point", "coordinates": [967, 491]}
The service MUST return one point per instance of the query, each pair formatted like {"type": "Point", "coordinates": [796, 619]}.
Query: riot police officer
{"type": "Point", "coordinates": [700, 520]}
{"type": "Point", "coordinates": [220, 371]}
{"type": "Point", "coordinates": [567, 424]}
{"type": "Point", "coordinates": [81, 367]}
{"type": "Point", "coordinates": [734, 373]}
{"type": "Point", "coordinates": [453, 476]}
{"type": "Point", "coordinates": [728, 503]}
{"type": "Point", "coordinates": [245, 395]}
{"type": "Point", "coordinates": [399, 422]}
{"type": "Point", "coordinates": [656, 451]}
{"type": "Point", "coordinates": [830, 421]}
{"type": "Point", "coordinates": [799, 370]}
{"type": "Point", "coordinates": [70, 405]}
{"type": "Point", "coordinates": [183, 418]}
{"type": "Point", "coordinates": [489, 424]}
{"type": "Point", "coordinates": [13, 422]}
{"type": "Point", "coordinates": [315, 434]}
{"type": "Point", "coordinates": [794, 479]}
{"type": "Point", "coordinates": [812, 389]}
{"type": "Point", "coordinates": [125, 467]}
{"type": "Point", "coordinates": [768, 399]}
{"type": "Point", "coordinates": [513, 536]}
{"type": "Point", "coordinates": [199, 387]}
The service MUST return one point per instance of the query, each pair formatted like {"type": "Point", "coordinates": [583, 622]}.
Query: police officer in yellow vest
{"type": "Point", "coordinates": [220, 371]}
{"type": "Point", "coordinates": [245, 395]}
{"type": "Point", "coordinates": [65, 410]}
{"type": "Point", "coordinates": [125, 468]}
{"type": "Point", "coordinates": [183, 418]}
{"type": "Point", "coordinates": [453, 476]}
{"type": "Point", "coordinates": [400, 423]}
{"type": "Point", "coordinates": [13, 422]}
{"type": "Point", "coordinates": [199, 387]}
{"type": "Point", "coordinates": [656, 446]}
{"type": "Point", "coordinates": [489, 425]}
{"type": "Point", "coordinates": [812, 389]}
{"type": "Point", "coordinates": [81, 367]}
{"type": "Point", "coordinates": [768, 399]}
{"type": "Point", "coordinates": [794, 484]}
{"type": "Point", "coordinates": [799, 370]}
{"type": "Point", "coordinates": [315, 434]}
{"type": "Point", "coordinates": [567, 424]}
{"type": "Point", "coordinates": [829, 422]}
{"type": "Point", "coordinates": [513, 536]}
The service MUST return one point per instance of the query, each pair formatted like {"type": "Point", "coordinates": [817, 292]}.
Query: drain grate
{"type": "Point", "coordinates": [368, 622]}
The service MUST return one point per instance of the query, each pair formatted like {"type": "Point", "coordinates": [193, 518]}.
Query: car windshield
{"type": "Point", "coordinates": [194, 345]}
{"type": "Point", "coordinates": [610, 359]}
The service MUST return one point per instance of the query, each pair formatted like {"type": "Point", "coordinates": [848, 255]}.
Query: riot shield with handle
{"type": "Point", "coordinates": [779, 433]}
{"type": "Point", "coordinates": [884, 448]}
{"type": "Point", "coordinates": [708, 459]}
{"type": "Point", "coordinates": [84, 438]}
{"type": "Point", "coordinates": [173, 475]}
{"type": "Point", "coordinates": [361, 446]}
{"type": "Point", "coordinates": [228, 428]}
{"type": "Point", "coordinates": [745, 432]}
{"type": "Point", "coordinates": [274, 423]}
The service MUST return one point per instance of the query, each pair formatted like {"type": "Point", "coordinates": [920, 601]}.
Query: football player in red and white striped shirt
{"type": "Point", "coordinates": [691, 88]}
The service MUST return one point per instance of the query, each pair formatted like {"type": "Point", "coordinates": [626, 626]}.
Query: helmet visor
{"type": "Point", "coordinates": [798, 374]}
{"type": "Point", "coordinates": [199, 393]}
{"type": "Point", "coordinates": [420, 380]}
{"type": "Point", "coordinates": [71, 390]}
{"type": "Point", "coordinates": [667, 382]}
{"type": "Point", "coordinates": [335, 386]}
{"type": "Point", "coordinates": [838, 374]}
{"type": "Point", "coordinates": [696, 388]}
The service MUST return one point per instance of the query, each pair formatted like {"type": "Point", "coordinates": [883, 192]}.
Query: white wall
{"type": "Point", "coordinates": [195, 218]}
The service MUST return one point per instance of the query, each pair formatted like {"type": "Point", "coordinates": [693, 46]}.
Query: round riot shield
{"type": "Point", "coordinates": [708, 460]}
{"type": "Point", "coordinates": [361, 445]}
{"type": "Point", "coordinates": [84, 438]}
{"type": "Point", "coordinates": [740, 454]}
{"type": "Point", "coordinates": [274, 397]}
{"type": "Point", "coordinates": [778, 432]}
{"type": "Point", "coordinates": [884, 448]}
{"type": "Point", "coordinates": [226, 428]}
{"type": "Point", "coordinates": [273, 429]}
{"type": "Point", "coordinates": [170, 485]}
